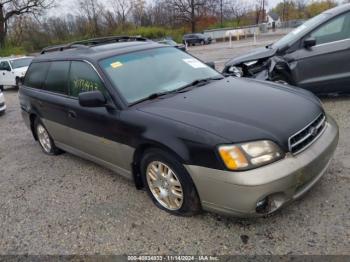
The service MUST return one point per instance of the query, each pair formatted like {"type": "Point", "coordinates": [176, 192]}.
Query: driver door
{"type": "Point", "coordinates": [325, 68]}
{"type": "Point", "coordinates": [6, 74]}
{"type": "Point", "coordinates": [96, 133]}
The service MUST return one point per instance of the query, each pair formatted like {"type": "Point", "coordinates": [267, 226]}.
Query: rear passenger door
{"type": "Point", "coordinates": [54, 102]}
{"type": "Point", "coordinates": [95, 132]}
{"type": "Point", "coordinates": [46, 86]}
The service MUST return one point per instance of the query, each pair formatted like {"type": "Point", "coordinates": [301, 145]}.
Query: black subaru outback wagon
{"type": "Point", "coordinates": [192, 138]}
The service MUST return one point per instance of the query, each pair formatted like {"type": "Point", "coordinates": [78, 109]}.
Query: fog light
{"type": "Point", "coordinates": [262, 206]}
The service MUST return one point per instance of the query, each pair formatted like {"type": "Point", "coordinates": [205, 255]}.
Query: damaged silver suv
{"type": "Point", "coordinates": [315, 56]}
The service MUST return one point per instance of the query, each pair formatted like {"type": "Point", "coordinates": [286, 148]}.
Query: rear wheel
{"type": "Point", "coordinates": [168, 183]}
{"type": "Point", "coordinates": [45, 140]}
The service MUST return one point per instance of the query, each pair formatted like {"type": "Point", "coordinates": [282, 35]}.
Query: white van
{"type": "Point", "coordinates": [12, 69]}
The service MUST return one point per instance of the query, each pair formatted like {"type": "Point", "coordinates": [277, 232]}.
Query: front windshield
{"type": "Point", "coordinates": [298, 32]}
{"type": "Point", "coordinates": [140, 74]}
{"type": "Point", "coordinates": [22, 62]}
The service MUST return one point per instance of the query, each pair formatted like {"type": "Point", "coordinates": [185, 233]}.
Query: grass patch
{"type": "Point", "coordinates": [10, 50]}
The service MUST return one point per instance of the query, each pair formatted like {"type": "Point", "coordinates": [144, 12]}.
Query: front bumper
{"type": "Point", "coordinates": [237, 193]}
{"type": "Point", "coordinates": [2, 108]}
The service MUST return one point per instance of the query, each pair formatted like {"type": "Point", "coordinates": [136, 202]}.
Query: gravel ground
{"type": "Point", "coordinates": [66, 205]}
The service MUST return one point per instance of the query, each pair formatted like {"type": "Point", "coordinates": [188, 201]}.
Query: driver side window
{"type": "Point", "coordinates": [5, 66]}
{"type": "Point", "coordinates": [334, 30]}
{"type": "Point", "coordinates": [84, 79]}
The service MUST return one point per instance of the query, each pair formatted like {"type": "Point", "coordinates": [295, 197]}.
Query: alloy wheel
{"type": "Point", "coordinates": [164, 185]}
{"type": "Point", "coordinates": [44, 138]}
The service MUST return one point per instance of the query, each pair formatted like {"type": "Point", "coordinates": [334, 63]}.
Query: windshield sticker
{"type": "Point", "coordinates": [299, 29]}
{"type": "Point", "coordinates": [194, 63]}
{"type": "Point", "coordinates": [116, 64]}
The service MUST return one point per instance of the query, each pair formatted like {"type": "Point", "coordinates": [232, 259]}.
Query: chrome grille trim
{"type": "Point", "coordinates": [308, 135]}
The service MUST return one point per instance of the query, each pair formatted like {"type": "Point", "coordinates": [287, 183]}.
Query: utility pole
{"type": "Point", "coordinates": [221, 14]}
{"type": "Point", "coordinates": [263, 11]}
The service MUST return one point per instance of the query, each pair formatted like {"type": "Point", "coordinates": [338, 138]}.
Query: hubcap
{"type": "Point", "coordinates": [164, 185]}
{"type": "Point", "coordinates": [44, 138]}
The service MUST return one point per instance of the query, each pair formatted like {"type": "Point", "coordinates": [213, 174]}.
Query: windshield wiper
{"type": "Point", "coordinates": [179, 90]}
{"type": "Point", "coordinates": [196, 83]}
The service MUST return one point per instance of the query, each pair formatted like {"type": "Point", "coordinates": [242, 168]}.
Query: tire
{"type": "Point", "coordinates": [45, 140]}
{"type": "Point", "coordinates": [17, 83]}
{"type": "Point", "coordinates": [177, 183]}
{"type": "Point", "coordinates": [1, 88]}
{"type": "Point", "coordinates": [281, 79]}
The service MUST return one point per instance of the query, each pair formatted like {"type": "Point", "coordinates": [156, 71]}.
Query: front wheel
{"type": "Point", "coordinates": [168, 184]}
{"type": "Point", "coordinates": [280, 79]}
{"type": "Point", "coordinates": [17, 83]}
{"type": "Point", "coordinates": [45, 140]}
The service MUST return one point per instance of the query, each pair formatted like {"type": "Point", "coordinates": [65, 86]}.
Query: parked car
{"type": "Point", "coordinates": [12, 69]}
{"type": "Point", "coordinates": [315, 56]}
{"type": "Point", "coordinates": [2, 103]}
{"type": "Point", "coordinates": [172, 43]}
{"type": "Point", "coordinates": [193, 39]}
{"type": "Point", "coordinates": [192, 138]}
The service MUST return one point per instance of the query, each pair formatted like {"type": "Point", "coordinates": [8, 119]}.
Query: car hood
{"type": "Point", "coordinates": [240, 110]}
{"type": "Point", "coordinates": [21, 70]}
{"type": "Point", "coordinates": [256, 54]}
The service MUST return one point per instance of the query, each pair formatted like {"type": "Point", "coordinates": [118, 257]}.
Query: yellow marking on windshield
{"type": "Point", "coordinates": [116, 64]}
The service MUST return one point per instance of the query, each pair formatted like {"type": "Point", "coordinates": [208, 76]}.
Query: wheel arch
{"type": "Point", "coordinates": [282, 68]}
{"type": "Point", "coordinates": [32, 118]}
{"type": "Point", "coordinates": [140, 151]}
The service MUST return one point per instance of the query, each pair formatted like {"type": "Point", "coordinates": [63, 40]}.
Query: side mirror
{"type": "Point", "coordinates": [211, 64]}
{"type": "Point", "coordinates": [309, 42]}
{"type": "Point", "coordinates": [92, 99]}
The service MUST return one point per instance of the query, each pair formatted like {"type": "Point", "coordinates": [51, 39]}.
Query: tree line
{"type": "Point", "coordinates": [28, 25]}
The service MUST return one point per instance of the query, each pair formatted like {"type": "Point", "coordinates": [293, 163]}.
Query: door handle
{"type": "Point", "coordinates": [72, 114]}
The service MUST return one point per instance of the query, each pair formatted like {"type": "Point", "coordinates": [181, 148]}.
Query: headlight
{"type": "Point", "coordinates": [250, 155]}
{"type": "Point", "coordinates": [236, 71]}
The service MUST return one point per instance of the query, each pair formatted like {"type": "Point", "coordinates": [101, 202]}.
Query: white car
{"type": "Point", "coordinates": [12, 69]}
{"type": "Point", "coordinates": [2, 103]}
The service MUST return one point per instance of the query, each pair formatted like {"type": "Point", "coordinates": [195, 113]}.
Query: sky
{"type": "Point", "coordinates": [70, 6]}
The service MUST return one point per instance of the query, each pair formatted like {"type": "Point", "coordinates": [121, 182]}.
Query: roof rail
{"type": "Point", "coordinates": [61, 48]}
{"type": "Point", "coordinates": [110, 39]}
{"type": "Point", "coordinates": [93, 42]}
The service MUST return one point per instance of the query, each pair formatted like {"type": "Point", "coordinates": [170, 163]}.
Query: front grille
{"type": "Point", "coordinates": [305, 137]}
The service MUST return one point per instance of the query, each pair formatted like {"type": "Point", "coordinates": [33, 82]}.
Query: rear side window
{"type": "Point", "coordinates": [57, 77]}
{"type": "Point", "coordinates": [83, 78]}
{"type": "Point", "coordinates": [36, 75]}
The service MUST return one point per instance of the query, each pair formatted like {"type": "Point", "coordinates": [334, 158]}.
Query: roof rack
{"type": "Point", "coordinates": [93, 42]}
